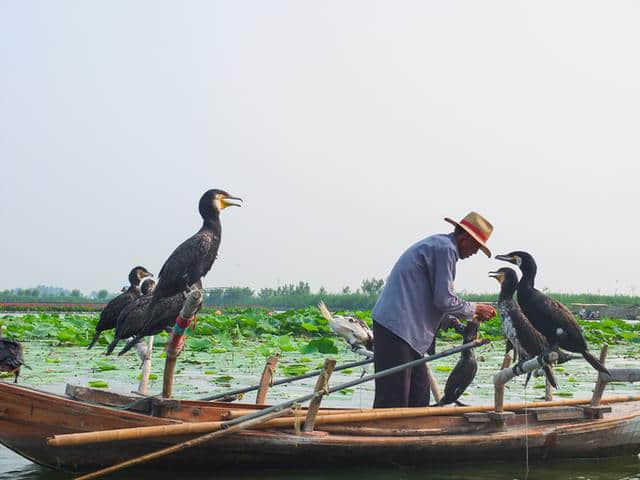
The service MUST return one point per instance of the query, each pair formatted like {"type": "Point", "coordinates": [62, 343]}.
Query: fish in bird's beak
{"type": "Point", "coordinates": [226, 203]}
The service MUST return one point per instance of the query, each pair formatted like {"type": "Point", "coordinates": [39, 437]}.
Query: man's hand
{"type": "Point", "coordinates": [484, 312]}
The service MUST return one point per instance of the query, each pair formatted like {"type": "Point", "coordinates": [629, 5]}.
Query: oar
{"type": "Point", "coordinates": [163, 430]}
{"type": "Point", "coordinates": [190, 443]}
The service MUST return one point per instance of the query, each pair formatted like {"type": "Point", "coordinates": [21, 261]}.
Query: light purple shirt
{"type": "Point", "coordinates": [419, 292]}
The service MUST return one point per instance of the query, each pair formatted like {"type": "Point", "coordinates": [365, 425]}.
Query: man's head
{"type": "Point", "coordinates": [472, 233]}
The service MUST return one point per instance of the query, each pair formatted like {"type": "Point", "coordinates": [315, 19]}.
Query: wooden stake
{"type": "Point", "coordinates": [143, 386]}
{"type": "Point", "coordinates": [435, 389]}
{"type": "Point", "coordinates": [601, 383]}
{"type": "Point", "coordinates": [321, 386]}
{"type": "Point", "coordinates": [267, 377]}
{"type": "Point", "coordinates": [548, 390]}
{"type": "Point", "coordinates": [499, 389]}
{"type": "Point", "coordinates": [188, 444]}
{"type": "Point", "coordinates": [177, 338]}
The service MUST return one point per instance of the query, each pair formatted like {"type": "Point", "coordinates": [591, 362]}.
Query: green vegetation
{"type": "Point", "coordinates": [303, 330]}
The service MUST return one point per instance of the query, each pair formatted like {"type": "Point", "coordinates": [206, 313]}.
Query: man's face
{"type": "Point", "coordinates": [467, 246]}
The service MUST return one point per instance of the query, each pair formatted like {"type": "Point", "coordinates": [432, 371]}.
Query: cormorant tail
{"type": "Point", "coordinates": [129, 344]}
{"type": "Point", "coordinates": [564, 357]}
{"type": "Point", "coordinates": [94, 339]}
{"type": "Point", "coordinates": [594, 362]}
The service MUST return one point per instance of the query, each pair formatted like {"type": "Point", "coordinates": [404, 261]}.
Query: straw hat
{"type": "Point", "coordinates": [478, 227]}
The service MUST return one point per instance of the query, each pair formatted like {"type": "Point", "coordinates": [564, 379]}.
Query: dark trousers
{"type": "Point", "coordinates": [408, 388]}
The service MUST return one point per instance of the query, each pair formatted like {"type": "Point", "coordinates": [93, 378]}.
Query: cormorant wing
{"type": "Point", "coordinates": [187, 264]}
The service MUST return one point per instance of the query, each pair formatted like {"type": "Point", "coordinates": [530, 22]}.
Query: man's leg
{"type": "Point", "coordinates": [420, 387]}
{"type": "Point", "coordinates": [390, 351]}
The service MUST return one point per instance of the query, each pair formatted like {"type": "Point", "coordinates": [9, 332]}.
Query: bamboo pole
{"type": "Point", "coordinates": [358, 416]}
{"type": "Point", "coordinates": [266, 379]}
{"type": "Point", "coordinates": [322, 388]}
{"type": "Point", "coordinates": [188, 444]}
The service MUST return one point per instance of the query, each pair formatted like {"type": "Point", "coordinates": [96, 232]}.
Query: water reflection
{"type": "Point", "coordinates": [13, 467]}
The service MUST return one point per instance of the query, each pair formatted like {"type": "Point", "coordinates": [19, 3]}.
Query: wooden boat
{"type": "Point", "coordinates": [567, 428]}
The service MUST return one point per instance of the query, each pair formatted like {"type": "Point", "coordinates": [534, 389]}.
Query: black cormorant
{"type": "Point", "coordinates": [527, 342]}
{"type": "Point", "coordinates": [464, 372]}
{"type": "Point", "coordinates": [109, 315]}
{"type": "Point", "coordinates": [550, 317]}
{"type": "Point", "coordinates": [130, 319]}
{"type": "Point", "coordinates": [193, 258]}
{"type": "Point", "coordinates": [11, 357]}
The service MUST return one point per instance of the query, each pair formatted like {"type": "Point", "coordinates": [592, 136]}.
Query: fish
{"type": "Point", "coordinates": [357, 334]}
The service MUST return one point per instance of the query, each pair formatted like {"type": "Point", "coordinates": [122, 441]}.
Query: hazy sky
{"type": "Point", "coordinates": [350, 128]}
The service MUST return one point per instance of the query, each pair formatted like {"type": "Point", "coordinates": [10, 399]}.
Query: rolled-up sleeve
{"type": "Point", "coordinates": [444, 298]}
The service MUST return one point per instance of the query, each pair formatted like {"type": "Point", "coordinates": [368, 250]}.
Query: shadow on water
{"type": "Point", "coordinates": [623, 468]}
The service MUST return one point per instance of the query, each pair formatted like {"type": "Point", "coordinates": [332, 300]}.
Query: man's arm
{"type": "Point", "coordinates": [443, 297]}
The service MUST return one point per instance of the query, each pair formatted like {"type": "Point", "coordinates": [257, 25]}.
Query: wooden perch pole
{"type": "Point", "coordinates": [266, 379]}
{"type": "Point", "coordinates": [322, 389]}
{"type": "Point", "coordinates": [177, 338]}
{"type": "Point", "coordinates": [145, 355]}
{"type": "Point", "coordinates": [498, 392]}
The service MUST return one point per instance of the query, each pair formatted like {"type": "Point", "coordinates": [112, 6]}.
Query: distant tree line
{"type": "Point", "coordinates": [287, 296]}
{"type": "Point", "coordinates": [46, 294]}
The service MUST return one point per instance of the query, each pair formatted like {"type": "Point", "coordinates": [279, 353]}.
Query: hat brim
{"type": "Point", "coordinates": [475, 236]}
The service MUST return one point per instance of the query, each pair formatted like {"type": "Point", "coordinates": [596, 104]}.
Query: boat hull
{"type": "Point", "coordinates": [28, 417]}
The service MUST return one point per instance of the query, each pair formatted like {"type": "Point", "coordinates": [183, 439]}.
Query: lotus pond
{"type": "Point", "coordinates": [228, 350]}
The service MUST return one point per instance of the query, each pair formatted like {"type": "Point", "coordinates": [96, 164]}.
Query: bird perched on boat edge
{"type": "Point", "coordinates": [352, 329]}
{"type": "Point", "coordinates": [11, 357]}
{"type": "Point", "coordinates": [109, 315]}
{"type": "Point", "coordinates": [465, 370]}
{"type": "Point", "coordinates": [130, 319]}
{"type": "Point", "coordinates": [548, 316]}
{"type": "Point", "coordinates": [526, 340]}
{"type": "Point", "coordinates": [194, 257]}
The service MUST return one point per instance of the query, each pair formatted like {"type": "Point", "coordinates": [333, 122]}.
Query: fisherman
{"type": "Point", "coordinates": [417, 295]}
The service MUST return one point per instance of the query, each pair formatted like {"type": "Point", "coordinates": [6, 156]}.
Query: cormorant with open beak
{"type": "Point", "coordinates": [194, 257]}
{"type": "Point", "coordinates": [526, 340]}
{"type": "Point", "coordinates": [548, 316]}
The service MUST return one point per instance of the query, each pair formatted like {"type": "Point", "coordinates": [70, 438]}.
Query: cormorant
{"type": "Point", "coordinates": [130, 319]}
{"type": "Point", "coordinates": [167, 310]}
{"type": "Point", "coordinates": [527, 342]}
{"type": "Point", "coordinates": [193, 258]}
{"type": "Point", "coordinates": [464, 372]}
{"type": "Point", "coordinates": [11, 357]}
{"type": "Point", "coordinates": [550, 317]}
{"type": "Point", "coordinates": [109, 315]}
